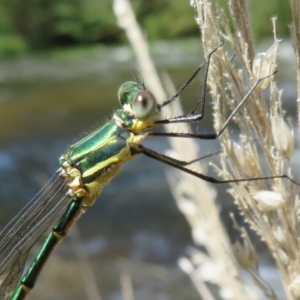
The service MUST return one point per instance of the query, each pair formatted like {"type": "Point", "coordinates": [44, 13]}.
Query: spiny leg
{"type": "Point", "coordinates": [180, 165]}
{"type": "Point", "coordinates": [201, 102]}
{"type": "Point", "coordinates": [183, 162]}
{"type": "Point", "coordinates": [198, 117]}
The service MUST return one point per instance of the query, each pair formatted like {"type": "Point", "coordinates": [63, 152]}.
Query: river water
{"type": "Point", "coordinates": [50, 101]}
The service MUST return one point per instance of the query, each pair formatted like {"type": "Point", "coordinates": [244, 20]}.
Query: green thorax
{"type": "Point", "coordinates": [97, 147]}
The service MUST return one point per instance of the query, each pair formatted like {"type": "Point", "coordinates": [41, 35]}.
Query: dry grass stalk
{"type": "Point", "coordinates": [217, 265]}
{"type": "Point", "coordinates": [126, 284]}
{"type": "Point", "coordinates": [270, 207]}
{"type": "Point", "coordinates": [295, 34]}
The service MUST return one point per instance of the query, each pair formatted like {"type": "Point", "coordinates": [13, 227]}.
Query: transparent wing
{"type": "Point", "coordinates": [26, 228]}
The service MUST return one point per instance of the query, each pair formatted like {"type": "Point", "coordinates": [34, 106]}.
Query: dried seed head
{"type": "Point", "coordinates": [283, 257]}
{"type": "Point", "coordinates": [210, 271]}
{"type": "Point", "coordinates": [198, 233]}
{"type": "Point", "coordinates": [295, 287]}
{"type": "Point", "coordinates": [245, 256]}
{"type": "Point", "coordinates": [227, 293]}
{"type": "Point", "coordinates": [185, 265]}
{"type": "Point", "coordinates": [280, 236]}
{"type": "Point", "coordinates": [283, 136]}
{"type": "Point", "coordinates": [188, 207]}
{"type": "Point", "coordinates": [264, 64]}
{"type": "Point", "coordinates": [193, 3]}
{"type": "Point", "coordinates": [246, 159]}
{"type": "Point", "coordinates": [268, 200]}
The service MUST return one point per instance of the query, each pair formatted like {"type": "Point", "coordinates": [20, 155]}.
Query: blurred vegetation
{"type": "Point", "coordinates": [45, 24]}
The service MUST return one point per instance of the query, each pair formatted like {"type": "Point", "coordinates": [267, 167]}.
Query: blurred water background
{"type": "Point", "coordinates": [57, 87]}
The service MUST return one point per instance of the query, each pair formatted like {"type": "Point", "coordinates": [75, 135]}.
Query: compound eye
{"type": "Point", "coordinates": [144, 105]}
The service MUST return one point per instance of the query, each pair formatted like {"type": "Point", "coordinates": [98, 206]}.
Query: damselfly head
{"type": "Point", "coordinates": [137, 100]}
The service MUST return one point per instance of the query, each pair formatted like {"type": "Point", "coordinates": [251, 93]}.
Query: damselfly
{"type": "Point", "coordinates": [85, 168]}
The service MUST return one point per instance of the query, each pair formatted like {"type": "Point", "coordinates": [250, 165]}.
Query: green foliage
{"type": "Point", "coordinates": [11, 45]}
{"type": "Point", "coordinates": [46, 23]}
{"type": "Point", "coordinates": [41, 24]}
{"type": "Point", "coordinates": [173, 20]}
{"type": "Point", "coordinates": [262, 11]}
{"type": "Point", "coordinates": [63, 22]}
